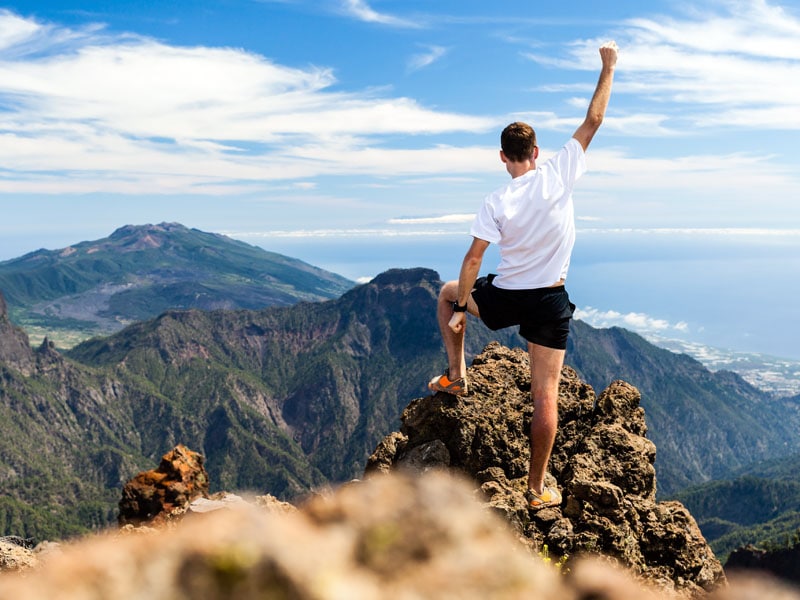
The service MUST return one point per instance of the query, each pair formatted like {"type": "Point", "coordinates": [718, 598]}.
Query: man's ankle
{"type": "Point", "coordinates": [454, 374]}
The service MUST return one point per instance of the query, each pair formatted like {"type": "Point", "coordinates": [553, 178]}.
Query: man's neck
{"type": "Point", "coordinates": [517, 169]}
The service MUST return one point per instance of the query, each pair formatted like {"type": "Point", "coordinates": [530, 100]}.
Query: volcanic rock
{"type": "Point", "coordinates": [602, 462]}
{"type": "Point", "coordinates": [156, 495]}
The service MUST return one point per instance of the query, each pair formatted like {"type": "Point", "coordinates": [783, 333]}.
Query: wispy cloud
{"type": "Point", "coordinates": [86, 110]}
{"type": "Point", "coordinates": [364, 12]}
{"type": "Point", "coordinates": [732, 176]}
{"type": "Point", "coordinates": [733, 62]}
{"type": "Point", "coordinates": [425, 59]}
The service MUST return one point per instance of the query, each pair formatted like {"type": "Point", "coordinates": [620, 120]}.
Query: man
{"type": "Point", "coordinates": [532, 220]}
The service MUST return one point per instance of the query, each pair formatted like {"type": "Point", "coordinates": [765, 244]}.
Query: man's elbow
{"type": "Point", "coordinates": [473, 261]}
{"type": "Point", "coordinates": [594, 120]}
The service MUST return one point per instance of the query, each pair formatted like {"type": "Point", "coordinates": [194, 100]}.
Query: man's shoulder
{"type": "Point", "coordinates": [570, 156]}
{"type": "Point", "coordinates": [572, 145]}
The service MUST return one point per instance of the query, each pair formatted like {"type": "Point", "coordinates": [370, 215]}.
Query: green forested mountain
{"type": "Point", "coordinates": [138, 272]}
{"type": "Point", "coordinates": [283, 399]}
{"type": "Point", "coordinates": [334, 376]}
{"type": "Point", "coordinates": [705, 425]}
{"type": "Point", "coordinates": [758, 505]}
{"type": "Point", "coordinates": [279, 400]}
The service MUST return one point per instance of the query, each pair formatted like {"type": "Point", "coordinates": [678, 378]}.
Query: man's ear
{"type": "Point", "coordinates": [535, 152]}
{"type": "Point", "coordinates": [503, 157]}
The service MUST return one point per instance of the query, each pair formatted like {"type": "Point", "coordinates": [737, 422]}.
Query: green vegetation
{"type": "Point", "coordinates": [287, 398]}
{"type": "Point", "coordinates": [746, 510]}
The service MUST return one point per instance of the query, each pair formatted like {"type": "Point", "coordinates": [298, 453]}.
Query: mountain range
{"type": "Point", "coordinates": [284, 399]}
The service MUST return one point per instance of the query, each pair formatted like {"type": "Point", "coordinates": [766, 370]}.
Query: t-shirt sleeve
{"type": "Point", "coordinates": [570, 162]}
{"type": "Point", "coordinates": [484, 226]}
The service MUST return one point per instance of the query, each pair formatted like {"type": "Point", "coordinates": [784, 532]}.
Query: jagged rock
{"type": "Point", "coordinates": [15, 349]}
{"type": "Point", "coordinates": [158, 495]}
{"type": "Point", "coordinates": [226, 500]}
{"type": "Point", "coordinates": [14, 556]}
{"type": "Point", "coordinates": [602, 462]}
{"type": "Point", "coordinates": [272, 504]}
{"type": "Point", "coordinates": [21, 554]}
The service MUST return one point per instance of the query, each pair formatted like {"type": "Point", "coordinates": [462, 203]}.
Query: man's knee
{"type": "Point", "coordinates": [449, 292]}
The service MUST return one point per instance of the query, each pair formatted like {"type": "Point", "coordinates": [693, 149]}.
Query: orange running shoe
{"type": "Point", "coordinates": [442, 383]}
{"type": "Point", "coordinates": [549, 497]}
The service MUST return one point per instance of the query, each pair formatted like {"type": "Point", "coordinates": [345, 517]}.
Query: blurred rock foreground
{"type": "Point", "coordinates": [418, 525]}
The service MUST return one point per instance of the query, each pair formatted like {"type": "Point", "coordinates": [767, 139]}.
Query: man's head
{"type": "Point", "coordinates": [518, 141]}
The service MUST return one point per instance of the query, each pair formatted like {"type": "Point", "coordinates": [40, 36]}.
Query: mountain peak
{"type": "Point", "coordinates": [414, 276]}
{"type": "Point", "coordinates": [147, 228]}
{"type": "Point", "coordinates": [140, 237]}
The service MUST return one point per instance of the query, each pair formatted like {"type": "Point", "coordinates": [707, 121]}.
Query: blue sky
{"type": "Point", "coordinates": [341, 119]}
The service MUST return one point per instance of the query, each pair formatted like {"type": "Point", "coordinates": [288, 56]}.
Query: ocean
{"type": "Point", "coordinates": [734, 289]}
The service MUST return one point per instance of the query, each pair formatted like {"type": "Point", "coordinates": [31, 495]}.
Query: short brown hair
{"type": "Point", "coordinates": [518, 141]}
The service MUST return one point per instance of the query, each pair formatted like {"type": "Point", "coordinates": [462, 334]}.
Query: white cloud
{"type": "Point", "coordinates": [341, 233]}
{"type": "Point", "coordinates": [638, 322]}
{"type": "Point", "coordinates": [733, 176]}
{"type": "Point", "coordinates": [699, 231]}
{"type": "Point", "coordinates": [420, 61]}
{"type": "Point", "coordinates": [362, 11]}
{"type": "Point", "coordinates": [738, 65]}
{"type": "Point", "coordinates": [85, 111]}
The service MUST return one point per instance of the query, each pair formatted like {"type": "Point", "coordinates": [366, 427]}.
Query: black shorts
{"type": "Point", "coordinates": [542, 314]}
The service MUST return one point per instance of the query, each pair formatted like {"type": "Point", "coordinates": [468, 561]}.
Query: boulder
{"type": "Point", "coordinates": [156, 496]}
{"type": "Point", "coordinates": [15, 556]}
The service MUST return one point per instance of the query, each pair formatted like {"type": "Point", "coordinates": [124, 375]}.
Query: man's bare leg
{"type": "Point", "coordinates": [453, 342]}
{"type": "Point", "coordinates": [546, 366]}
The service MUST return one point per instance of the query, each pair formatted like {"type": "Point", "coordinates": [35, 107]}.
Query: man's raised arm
{"type": "Point", "coordinates": [599, 103]}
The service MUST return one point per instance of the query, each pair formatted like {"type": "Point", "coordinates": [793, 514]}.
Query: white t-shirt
{"type": "Point", "coordinates": [532, 220]}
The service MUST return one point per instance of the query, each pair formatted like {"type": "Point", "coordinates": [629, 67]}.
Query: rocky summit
{"type": "Point", "coordinates": [602, 462]}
